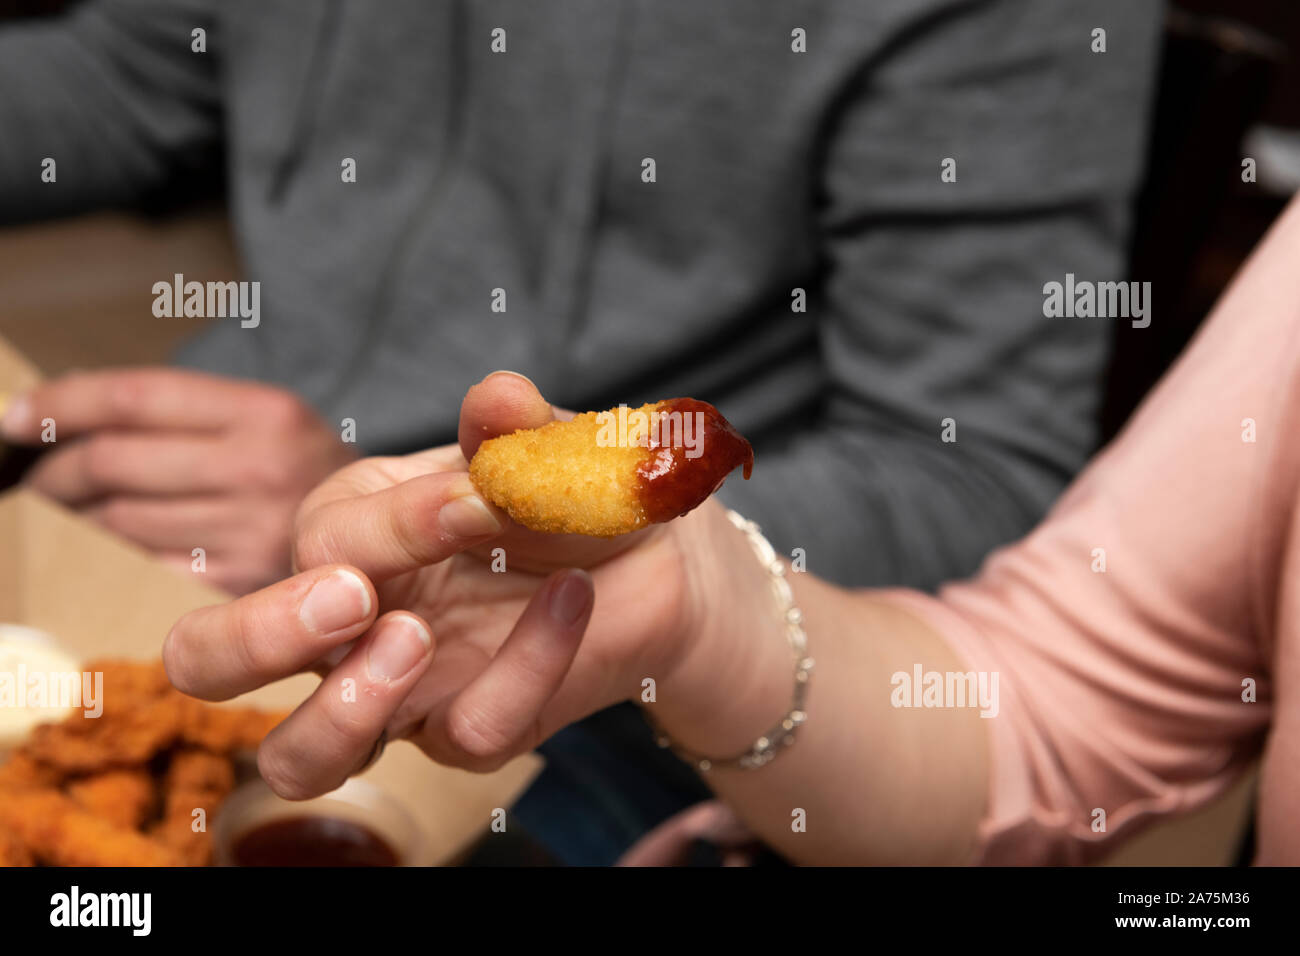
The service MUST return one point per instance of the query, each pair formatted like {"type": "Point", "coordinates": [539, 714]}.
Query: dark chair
{"type": "Point", "coordinates": [1215, 77]}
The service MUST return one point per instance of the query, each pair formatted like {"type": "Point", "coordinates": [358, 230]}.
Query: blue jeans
{"type": "Point", "coordinates": [606, 784]}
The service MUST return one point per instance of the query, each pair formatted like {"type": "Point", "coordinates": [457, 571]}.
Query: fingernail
{"type": "Point", "coordinates": [335, 602]}
{"type": "Point", "coordinates": [506, 371]}
{"type": "Point", "coordinates": [400, 644]}
{"type": "Point", "coordinates": [570, 598]}
{"type": "Point", "coordinates": [468, 517]}
{"type": "Point", "coordinates": [17, 417]}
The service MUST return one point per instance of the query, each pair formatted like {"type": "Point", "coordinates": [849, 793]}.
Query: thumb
{"type": "Point", "coordinates": [498, 405]}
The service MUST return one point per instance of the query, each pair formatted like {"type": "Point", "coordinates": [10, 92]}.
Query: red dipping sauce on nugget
{"type": "Point", "coordinates": [693, 450]}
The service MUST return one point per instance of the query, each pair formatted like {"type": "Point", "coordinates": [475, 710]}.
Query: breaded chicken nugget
{"type": "Point", "coordinates": [609, 473]}
{"type": "Point", "coordinates": [128, 682]}
{"type": "Point", "coordinates": [225, 729]}
{"type": "Point", "coordinates": [192, 769]}
{"type": "Point", "coordinates": [22, 770]}
{"type": "Point", "coordinates": [13, 852]}
{"type": "Point", "coordinates": [59, 832]}
{"type": "Point", "coordinates": [191, 847]}
{"type": "Point", "coordinates": [107, 765]}
{"type": "Point", "coordinates": [140, 716]}
{"type": "Point", "coordinates": [125, 798]}
{"type": "Point", "coordinates": [122, 736]}
{"type": "Point", "coordinates": [196, 780]}
{"type": "Point", "coordinates": [139, 721]}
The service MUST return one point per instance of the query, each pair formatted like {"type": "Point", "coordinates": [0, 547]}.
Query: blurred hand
{"type": "Point", "coordinates": [176, 460]}
{"type": "Point", "coordinates": [397, 553]}
{"type": "Point", "coordinates": [670, 843]}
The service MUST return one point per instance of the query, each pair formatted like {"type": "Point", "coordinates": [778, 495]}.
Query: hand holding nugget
{"type": "Point", "coordinates": [478, 638]}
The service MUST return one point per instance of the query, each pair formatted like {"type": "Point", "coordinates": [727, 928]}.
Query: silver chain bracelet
{"type": "Point", "coordinates": [780, 736]}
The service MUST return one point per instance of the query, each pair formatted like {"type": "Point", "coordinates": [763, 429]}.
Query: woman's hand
{"type": "Point", "coordinates": [437, 619]}
{"type": "Point", "coordinates": [433, 617]}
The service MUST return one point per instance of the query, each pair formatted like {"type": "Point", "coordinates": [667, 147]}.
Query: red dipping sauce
{"type": "Point", "coordinates": [311, 841]}
{"type": "Point", "coordinates": [671, 482]}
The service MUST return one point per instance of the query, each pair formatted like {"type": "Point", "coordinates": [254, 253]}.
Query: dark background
{"type": "Point", "coordinates": [1226, 66]}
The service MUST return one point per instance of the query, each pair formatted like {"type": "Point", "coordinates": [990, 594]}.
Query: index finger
{"type": "Point", "coordinates": [124, 398]}
{"type": "Point", "coordinates": [419, 522]}
{"type": "Point", "coordinates": [224, 650]}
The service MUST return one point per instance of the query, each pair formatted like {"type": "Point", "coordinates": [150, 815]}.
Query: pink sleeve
{"type": "Point", "coordinates": [1122, 689]}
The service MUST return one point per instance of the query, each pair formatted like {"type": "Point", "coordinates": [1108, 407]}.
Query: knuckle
{"type": "Point", "coordinates": [267, 469]}
{"type": "Point", "coordinates": [438, 747]}
{"type": "Point", "coordinates": [100, 459]}
{"type": "Point", "coordinates": [284, 779]}
{"type": "Point", "coordinates": [311, 545]}
{"type": "Point", "coordinates": [124, 396]}
{"type": "Point", "coordinates": [253, 646]}
{"type": "Point", "coordinates": [416, 535]}
{"type": "Point", "coordinates": [348, 725]}
{"type": "Point", "coordinates": [283, 411]}
{"type": "Point", "coordinates": [472, 733]}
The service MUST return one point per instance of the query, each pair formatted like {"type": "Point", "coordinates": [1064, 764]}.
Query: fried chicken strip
{"type": "Point", "coordinates": [13, 852]}
{"type": "Point", "coordinates": [57, 831]}
{"type": "Point", "coordinates": [224, 730]}
{"type": "Point", "coordinates": [196, 780]}
{"type": "Point", "coordinates": [128, 682]}
{"type": "Point", "coordinates": [140, 716]}
{"type": "Point", "coordinates": [125, 798]}
{"type": "Point", "coordinates": [128, 735]}
{"type": "Point", "coordinates": [106, 764]}
{"type": "Point", "coordinates": [23, 771]}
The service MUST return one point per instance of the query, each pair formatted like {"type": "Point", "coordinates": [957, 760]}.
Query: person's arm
{"type": "Point", "coordinates": [932, 303]}
{"type": "Point", "coordinates": [1143, 637]}
{"type": "Point", "coordinates": [115, 95]}
{"type": "Point", "coordinates": [875, 785]}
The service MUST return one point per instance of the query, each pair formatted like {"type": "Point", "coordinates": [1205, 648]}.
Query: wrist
{"type": "Point", "coordinates": [734, 678]}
